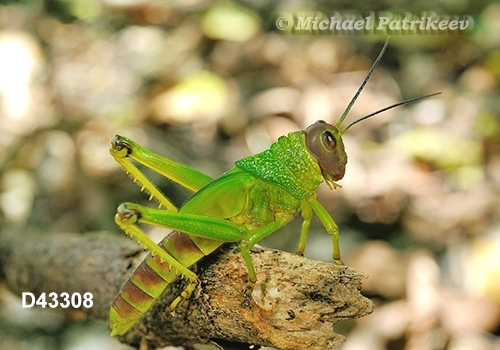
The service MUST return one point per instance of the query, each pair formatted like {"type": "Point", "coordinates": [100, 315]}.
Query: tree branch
{"type": "Point", "coordinates": [295, 303]}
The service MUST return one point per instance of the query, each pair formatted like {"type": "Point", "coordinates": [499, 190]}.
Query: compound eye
{"type": "Point", "coordinates": [329, 140]}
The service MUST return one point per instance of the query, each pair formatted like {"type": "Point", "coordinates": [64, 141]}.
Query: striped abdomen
{"type": "Point", "coordinates": [151, 278]}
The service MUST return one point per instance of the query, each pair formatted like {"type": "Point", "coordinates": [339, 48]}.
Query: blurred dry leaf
{"type": "Point", "coordinates": [229, 21]}
{"type": "Point", "coordinates": [201, 95]}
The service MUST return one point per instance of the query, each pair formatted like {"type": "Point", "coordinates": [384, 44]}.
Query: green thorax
{"type": "Point", "coordinates": [288, 164]}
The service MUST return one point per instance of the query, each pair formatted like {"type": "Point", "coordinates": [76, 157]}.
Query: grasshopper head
{"type": "Point", "coordinates": [324, 141]}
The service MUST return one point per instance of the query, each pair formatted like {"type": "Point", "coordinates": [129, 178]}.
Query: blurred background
{"type": "Point", "coordinates": [209, 82]}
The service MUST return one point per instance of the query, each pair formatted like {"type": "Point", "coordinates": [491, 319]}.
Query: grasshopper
{"type": "Point", "coordinates": [261, 194]}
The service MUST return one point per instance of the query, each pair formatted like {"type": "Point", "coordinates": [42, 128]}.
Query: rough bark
{"type": "Point", "coordinates": [294, 305]}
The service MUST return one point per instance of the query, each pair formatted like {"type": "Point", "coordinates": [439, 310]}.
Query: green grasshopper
{"type": "Point", "coordinates": [261, 194]}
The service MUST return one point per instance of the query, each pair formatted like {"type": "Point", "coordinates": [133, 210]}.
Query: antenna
{"type": "Point", "coordinates": [353, 100]}
{"type": "Point", "coordinates": [414, 99]}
